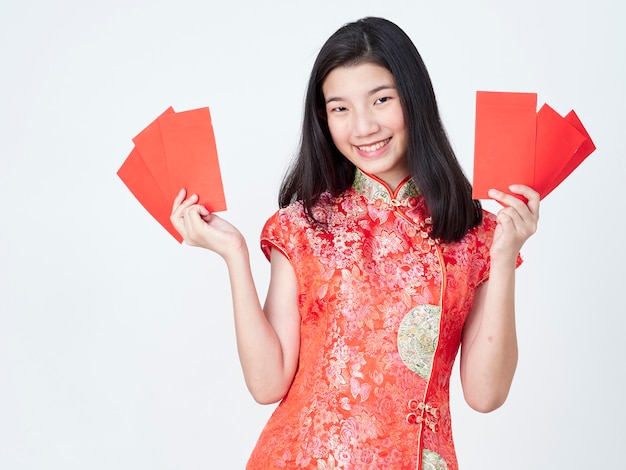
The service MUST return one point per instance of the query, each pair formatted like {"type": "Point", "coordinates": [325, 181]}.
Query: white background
{"type": "Point", "coordinates": [117, 346]}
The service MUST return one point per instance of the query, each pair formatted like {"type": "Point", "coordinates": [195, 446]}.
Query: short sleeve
{"type": "Point", "coordinates": [273, 236]}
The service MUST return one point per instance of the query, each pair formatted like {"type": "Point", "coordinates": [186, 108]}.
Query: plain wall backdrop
{"type": "Point", "coordinates": [117, 346]}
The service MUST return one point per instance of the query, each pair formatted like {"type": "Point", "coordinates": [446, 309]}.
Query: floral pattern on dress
{"type": "Point", "coordinates": [417, 338]}
{"type": "Point", "coordinates": [371, 282]}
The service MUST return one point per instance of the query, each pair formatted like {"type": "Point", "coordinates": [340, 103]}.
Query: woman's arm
{"type": "Point", "coordinates": [489, 341]}
{"type": "Point", "coordinates": [268, 339]}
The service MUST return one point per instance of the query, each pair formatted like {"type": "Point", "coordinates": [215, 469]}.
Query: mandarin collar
{"type": "Point", "coordinates": [374, 189]}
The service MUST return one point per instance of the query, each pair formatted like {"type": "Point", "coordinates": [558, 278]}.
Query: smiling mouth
{"type": "Point", "coordinates": [374, 147]}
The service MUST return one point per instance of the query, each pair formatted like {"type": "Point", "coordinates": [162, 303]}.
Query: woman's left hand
{"type": "Point", "coordinates": [517, 221]}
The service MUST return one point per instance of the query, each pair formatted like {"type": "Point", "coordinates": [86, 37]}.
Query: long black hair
{"type": "Point", "coordinates": [319, 167]}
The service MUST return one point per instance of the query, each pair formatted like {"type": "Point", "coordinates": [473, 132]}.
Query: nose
{"type": "Point", "coordinates": [364, 123]}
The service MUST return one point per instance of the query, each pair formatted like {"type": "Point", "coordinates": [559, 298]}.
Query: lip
{"type": "Point", "coordinates": [373, 149]}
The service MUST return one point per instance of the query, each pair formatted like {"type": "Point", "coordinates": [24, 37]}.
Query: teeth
{"type": "Point", "coordinates": [372, 148]}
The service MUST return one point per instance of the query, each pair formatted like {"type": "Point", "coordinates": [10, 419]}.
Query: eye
{"type": "Point", "coordinates": [382, 100]}
{"type": "Point", "coordinates": [338, 109]}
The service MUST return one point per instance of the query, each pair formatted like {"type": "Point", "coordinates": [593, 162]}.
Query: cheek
{"type": "Point", "coordinates": [338, 132]}
{"type": "Point", "coordinates": [395, 119]}
{"type": "Point", "coordinates": [397, 123]}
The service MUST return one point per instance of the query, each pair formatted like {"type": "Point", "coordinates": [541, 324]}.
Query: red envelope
{"type": "Point", "coordinates": [150, 145]}
{"type": "Point", "coordinates": [557, 142]}
{"type": "Point", "coordinates": [191, 156]}
{"type": "Point", "coordinates": [505, 125]}
{"type": "Point", "coordinates": [176, 150]}
{"type": "Point", "coordinates": [139, 180]}
{"type": "Point", "coordinates": [504, 144]}
{"type": "Point", "coordinates": [585, 149]}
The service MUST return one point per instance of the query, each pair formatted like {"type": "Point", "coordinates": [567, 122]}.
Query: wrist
{"type": "Point", "coordinates": [503, 261]}
{"type": "Point", "coordinates": [236, 255]}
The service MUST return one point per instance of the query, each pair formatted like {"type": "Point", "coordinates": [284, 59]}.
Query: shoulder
{"type": "Point", "coordinates": [286, 228]}
{"type": "Point", "coordinates": [279, 226]}
{"type": "Point", "coordinates": [294, 214]}
{"type": "Point", "coordinates": [290, 229]}
{"type": "Point", "coordinates": [286, 217]}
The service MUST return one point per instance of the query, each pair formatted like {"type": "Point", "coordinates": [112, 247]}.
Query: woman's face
{"type": "Point", "coordinates": [366, 121]}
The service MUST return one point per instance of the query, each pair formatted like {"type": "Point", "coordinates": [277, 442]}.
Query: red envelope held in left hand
{"type": "Point", "coordinates": [506, 124]}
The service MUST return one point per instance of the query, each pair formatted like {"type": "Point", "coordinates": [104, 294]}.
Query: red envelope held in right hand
{"type": "Point", "coordinates": [175, 151]}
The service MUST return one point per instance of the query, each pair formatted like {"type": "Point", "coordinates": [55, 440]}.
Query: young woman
{"type": "Point", "coordinates": [382, 265]}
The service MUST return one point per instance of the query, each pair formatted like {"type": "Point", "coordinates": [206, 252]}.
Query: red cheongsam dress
{"type": "Point", "coordinates": [382, 306]}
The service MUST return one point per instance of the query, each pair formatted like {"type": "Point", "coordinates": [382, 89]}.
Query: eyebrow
{"type": "Point", "coordinates": [373, 91]}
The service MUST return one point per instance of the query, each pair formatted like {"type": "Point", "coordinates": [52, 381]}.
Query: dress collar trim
{"type": "Point", "coordinates": [374, 189]}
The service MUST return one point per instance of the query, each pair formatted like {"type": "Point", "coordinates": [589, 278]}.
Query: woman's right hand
{"type": "Point", "coordinates": [201, 228]}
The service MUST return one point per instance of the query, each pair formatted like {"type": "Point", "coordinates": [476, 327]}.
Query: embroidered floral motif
{"type": "Point", "coordinates": [433, 461]}
{"type": "Point", "coordinates": [362, 357]}
{"type": "Point", "coordinates": [372, 190]}
{"type": "Point", "coordinates": [417, 338]}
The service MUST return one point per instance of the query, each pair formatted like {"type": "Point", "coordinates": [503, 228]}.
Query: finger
{"type": "Point", "coordinates": [187, 221]}
{"type": "Point", "coordinates": [506, 199]}
{"type": "Point", "coordinates": [509, 218]}
{"type": "Point", "coordinates": [193, 221]}
{"type": "Point", "coordinates": [180, 197]}
{"type": "Point", "coordinates": [205, 214]}
{"type": "Point", "coordinates": [530, 194]}
{"type": "Point", "coordinates": [182, 206]}
{"type": "Point", "coordinates": [519, 221]}
{"type": "Point", "coordinates": [178, 209]}
{"type": "Point", "coordinates": [203, 211]}
{"type": "Point", "coordinates": [529, 212]}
